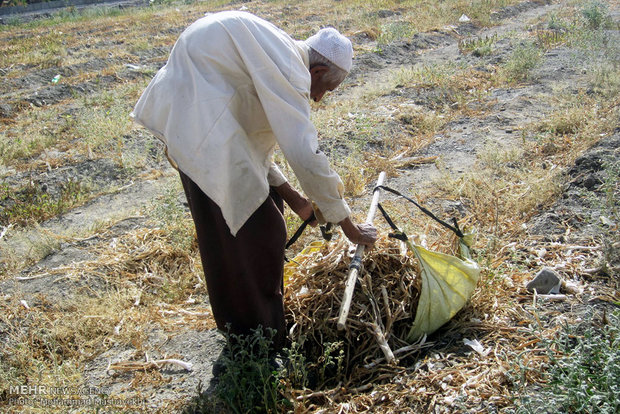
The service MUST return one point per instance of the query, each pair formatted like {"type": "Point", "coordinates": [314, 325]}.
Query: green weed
{"type": "Point", "coordinates": [605, 79]}
{"type": "Point", "coordinates": [169, 213]}
{"type": "Point", "coordinates": [314, 366]}
{"type": "Point", "coordinates": [140, 45]}
{"type": "Point", "coordinates": [45, 50]}
{"type": "Point", "coordinates": [557, 23]}
{"type": "Point", "coordinates": [524, 58]}
{"type": "Point", "coordinates": [596, 15]}
{"type": "Point", "coordinates": [329, 365]}
{"type": "Point", "coordinates": [479, 46]}
{"type": "Point", "coordinates": [31, 204]}
{"type": "Point", "coordinates": [297, 366]}
{"type": "Point", "coordinates": [583, 372]}
{"type": "Point", "coordinates": [101, 129]}
{"type": "Point", "coordinates": [392, 32]}
{"type": "Point", "coordinates": [425, 75]}
{"type": "Point", "coordinates": [548, 39]}
{"type": "Point", "coordinates": [578, 121]}
{"type": "Point", "coordinates": [250, 382]}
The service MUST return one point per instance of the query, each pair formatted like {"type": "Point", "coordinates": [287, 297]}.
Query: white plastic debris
{"type": "Point", "coordinates": [464, 18]}
{"type": "Point", "coordinates": [607, 221]}
{"type": "Point", "coordinates": [5, 230]}
{"type": "Point", "coordinates": [477, 346]}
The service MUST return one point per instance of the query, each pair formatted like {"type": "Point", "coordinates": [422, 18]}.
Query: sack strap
{"type": "Point", "coordinates": [400, 235]}
{"type": "Point", "coordinates": [299, 231]}
{"type": "Point", "coordinates": [326, 231]}
{"type": "Point", "coordinates": [455, 228]}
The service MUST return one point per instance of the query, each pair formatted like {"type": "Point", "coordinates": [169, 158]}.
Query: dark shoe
{"type": "Point", "coordinates": [218, 368]}
{"type": "Point", "coordinates": [279, 363]}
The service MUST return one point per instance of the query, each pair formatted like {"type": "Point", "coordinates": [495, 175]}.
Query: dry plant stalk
{"type": "Point", "coordinates": [383, 308]}
{"type": "Point", "coordinates": [148, 364]}
{"type": "Point", "coordinates": [413, 161]}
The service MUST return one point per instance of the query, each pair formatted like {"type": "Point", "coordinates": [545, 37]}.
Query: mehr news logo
{"type": "Point", "coordinates": [45, 390]}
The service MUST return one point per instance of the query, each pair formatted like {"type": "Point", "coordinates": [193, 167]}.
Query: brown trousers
{"type": "Point", "coordinates": [244, 273]}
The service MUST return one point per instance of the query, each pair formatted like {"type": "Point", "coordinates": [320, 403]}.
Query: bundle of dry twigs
{"type": "Point", "coordinates": [382, 309]}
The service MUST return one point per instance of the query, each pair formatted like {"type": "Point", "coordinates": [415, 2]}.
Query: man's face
{"type": "Point", "coordinates": [319, 86]}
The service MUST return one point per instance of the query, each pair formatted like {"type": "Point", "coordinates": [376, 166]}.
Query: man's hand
{"type": "Point", "coordinates": [304, 210]}
{"type": "Point", "coordinates": [297, 202]}
{"type": "Point", "coordinates": [365, 234]}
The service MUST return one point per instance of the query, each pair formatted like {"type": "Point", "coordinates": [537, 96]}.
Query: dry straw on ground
{"type": "Point", "coordinates": [382, 311]}
{"type": "Point", "coordinates": [488, 347]}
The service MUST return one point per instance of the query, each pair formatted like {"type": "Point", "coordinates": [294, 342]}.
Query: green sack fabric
{"type": "Point", "coordinates": [447, 284]}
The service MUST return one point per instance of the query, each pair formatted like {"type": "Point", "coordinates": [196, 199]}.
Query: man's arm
{"type": "Point", "coordinates": [285, 102]}
{"type": "Point", "coordinates": [365, 234]}
{"type": "Point", "coordinates": [297, 202]}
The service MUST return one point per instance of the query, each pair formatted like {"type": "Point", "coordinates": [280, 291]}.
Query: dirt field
{"type": "Point", "coordinates": [81, 281]}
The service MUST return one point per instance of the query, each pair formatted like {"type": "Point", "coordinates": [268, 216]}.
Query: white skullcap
{"type": "Point", "coordinates": [333, 46]}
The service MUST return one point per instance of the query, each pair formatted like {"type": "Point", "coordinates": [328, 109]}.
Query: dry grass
{"type": "Point", "coordinates": [149, 276]}
{"type": "Point", "coordinates": [140, 278]}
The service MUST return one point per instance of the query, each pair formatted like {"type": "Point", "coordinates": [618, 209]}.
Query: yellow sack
{"type": "Point", "coordinates": [301, 259]}
{"type": "Point", "coordinates": [447, 284]}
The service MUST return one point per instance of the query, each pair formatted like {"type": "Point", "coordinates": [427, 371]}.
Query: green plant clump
{"type": "Point", "coordinates": [249, 381]}
{"type": "Point", "coordinates": [524, 58]}
{"type": "Point", "coordinates": [251, 378]}
{"type": "Point", "coordinates": [596, 15]}
{"type": "Point", "coordinates": [32, 205]}
{"type": "Point", "coordinates": [584, 371]}
{"type": "Point", "coordinates": [479, 46]}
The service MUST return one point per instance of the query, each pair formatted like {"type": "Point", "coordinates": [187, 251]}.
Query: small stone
{"type": "Point", "coordinates": [6, 111]}
{"type": "Point", "coordinates": [385, 13]}
{"type": "Point", "coordinates": [545, 282]}
{"type": "Point", "coordinates": [591, 182]}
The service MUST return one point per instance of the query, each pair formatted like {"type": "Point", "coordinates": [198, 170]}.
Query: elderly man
{"type": "Point", "coordinates": [235, 86]}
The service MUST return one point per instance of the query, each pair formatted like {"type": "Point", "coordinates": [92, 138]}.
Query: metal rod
{"type": "Point", "coordinates": [356, 262]}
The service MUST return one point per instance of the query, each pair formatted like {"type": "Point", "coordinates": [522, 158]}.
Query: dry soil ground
{"type": "Point", "coordinates": [459, 146]}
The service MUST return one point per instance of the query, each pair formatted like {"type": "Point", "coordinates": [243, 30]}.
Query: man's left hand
{"type": "Point", "coordinates": [297, 202]}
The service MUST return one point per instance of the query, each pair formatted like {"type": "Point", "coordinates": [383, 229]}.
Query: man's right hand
{"type": "Point", "coordinates": [365, 234]}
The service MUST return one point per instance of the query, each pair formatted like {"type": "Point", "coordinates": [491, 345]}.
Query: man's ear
{"type": "Point", "coordinates": [318, 71]}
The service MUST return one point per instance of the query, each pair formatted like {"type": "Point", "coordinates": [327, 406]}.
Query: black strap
{"type": "Point", "coordinates": [299, 231]}
{"type": "Point", "coordinates": [399, 234]}
{"type": "Point", "coordinates": [454, 228]}
{"type": "Point", "coordinates": [387, 217]}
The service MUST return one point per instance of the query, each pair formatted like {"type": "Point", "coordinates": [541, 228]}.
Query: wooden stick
{"type": "Point", "coordinates": [408, 162]}
{"type": "Point", "coordinates": [356, 263]}
{"type": "Point", "coordinates": [383, 345]}
{"type": "Point", "coordinates": [137, 365]}
{"type": "Point", "coordinates": [413, 347]}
